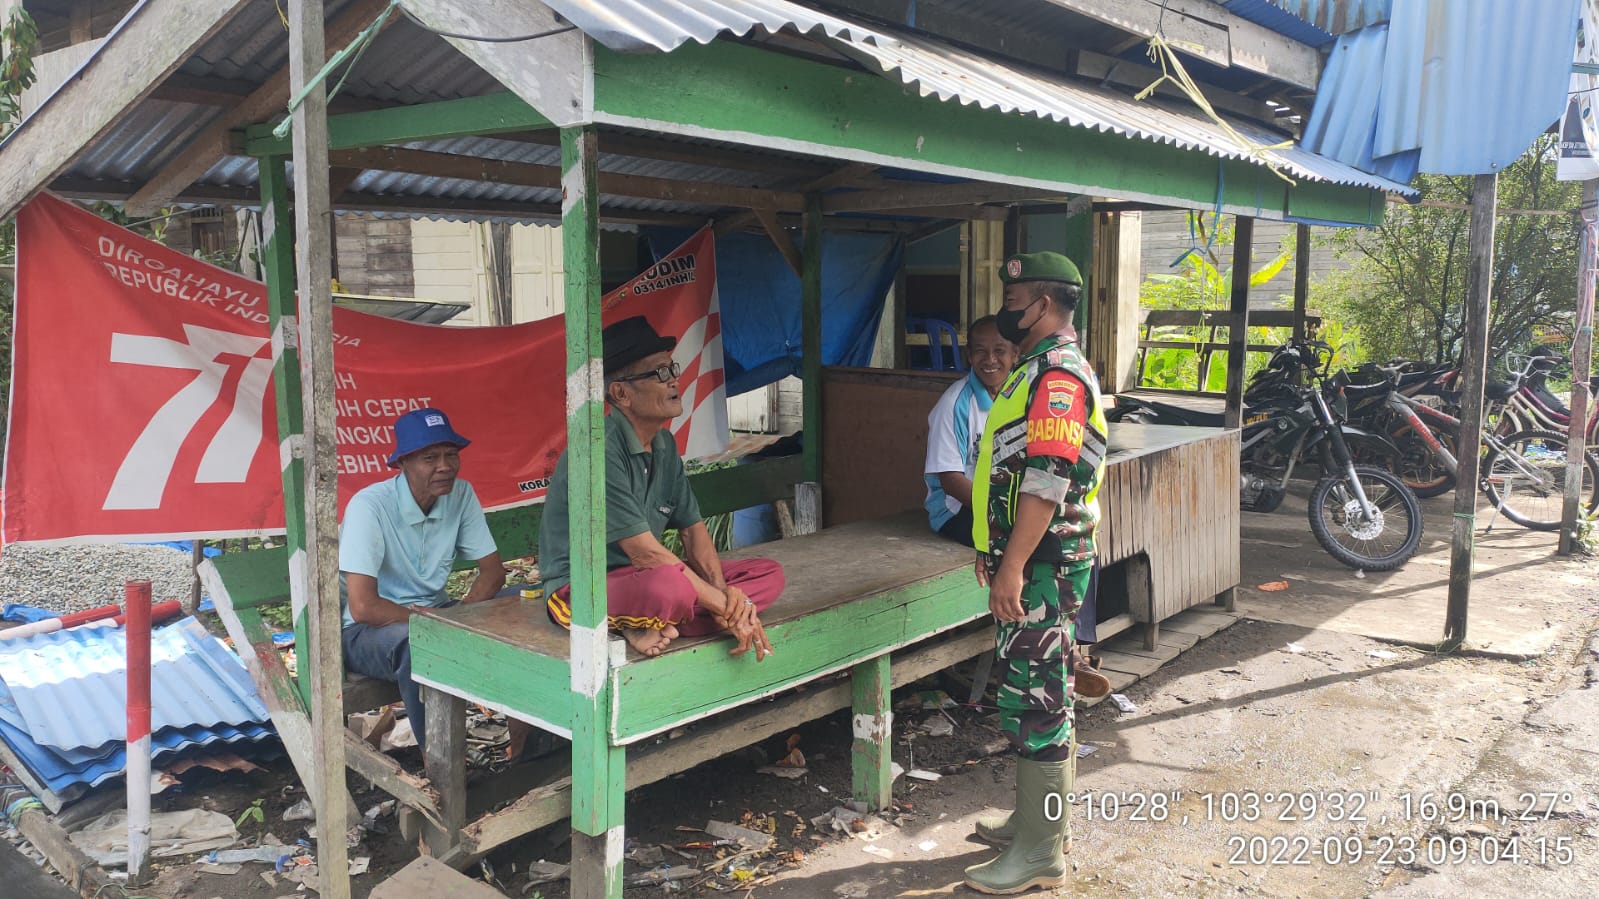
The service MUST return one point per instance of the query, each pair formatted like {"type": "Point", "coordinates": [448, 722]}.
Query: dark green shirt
{"type": "Point", "coordinates": [645, 490]}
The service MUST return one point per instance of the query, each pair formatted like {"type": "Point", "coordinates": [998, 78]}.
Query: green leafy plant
{"type": "Point", "coordinates": [720, 526]}
{"type": "Point", "coordinates": [1202, 284]}
{"type": "Point", "coordinates": [253, 812]}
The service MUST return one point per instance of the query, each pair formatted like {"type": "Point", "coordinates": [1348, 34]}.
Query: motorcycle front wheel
{"type": "Point", "coordinates": [1380, 544]}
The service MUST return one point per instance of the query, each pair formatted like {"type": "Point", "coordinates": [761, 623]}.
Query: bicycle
{"type": "Point", "coordinates": [1530, 462]}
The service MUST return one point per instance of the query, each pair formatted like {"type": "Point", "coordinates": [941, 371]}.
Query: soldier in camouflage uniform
{"type": "Point", "coordinates": [1038, 473]}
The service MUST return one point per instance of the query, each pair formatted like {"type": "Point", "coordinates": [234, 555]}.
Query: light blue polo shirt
{"type": "Point", "coordinates": [954, 428]}
{"type": "Point", "coordinates": [386, 535]}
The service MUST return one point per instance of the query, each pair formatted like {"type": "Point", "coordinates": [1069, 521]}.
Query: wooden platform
{"type": "Point", "coordinates": [1126, 661]}
{"type": "Point", "coordinates": [853, 592]}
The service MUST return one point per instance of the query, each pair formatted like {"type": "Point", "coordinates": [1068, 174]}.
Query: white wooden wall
{"type": "Point", "coordinates": [450, 262]}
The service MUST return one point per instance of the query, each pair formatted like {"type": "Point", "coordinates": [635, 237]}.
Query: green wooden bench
{"type": "Point", "coordinates": [242, 584]}
{"type": "Point", "coordinates": [865, 599]}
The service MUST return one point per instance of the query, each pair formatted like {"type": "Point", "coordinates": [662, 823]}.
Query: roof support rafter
{"type": "Point", "coordinates": [472, 116]}
{"type": "Point", "coordinates": [148, 47]}
{"type": "Point", "coordinates": [268, 101]}
{"type": "Point", "coordinates": [525, 174]}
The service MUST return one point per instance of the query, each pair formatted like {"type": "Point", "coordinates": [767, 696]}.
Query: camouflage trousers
{"type": "Point", "coordinates": [1035, 700]}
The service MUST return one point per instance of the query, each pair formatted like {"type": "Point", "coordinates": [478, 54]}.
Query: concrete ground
{"type": "Point", "coordinates": [22, 879]}
{"type": "Point", "coordinates": [1312, 749]}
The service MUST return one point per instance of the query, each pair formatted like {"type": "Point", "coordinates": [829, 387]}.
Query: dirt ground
{"type": "Point", "coordinates": [1306, 750]}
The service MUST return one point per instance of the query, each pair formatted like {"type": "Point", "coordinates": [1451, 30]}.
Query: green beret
{"type": "Point", "coordinates": [1040, 267]}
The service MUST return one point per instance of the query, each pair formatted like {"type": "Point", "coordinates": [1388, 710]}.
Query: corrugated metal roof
{"type": "Point", "coordinates": [67, 780]}
{"type": "Point", "coordinates": [951, 73]}
{"type": "Point", "coordinates": [408, 65]}
{"type": "Point", "coordinates": [1457, 88]}
{"type": "Point", "coordinates": [1334, 16]}
{"type": "Point", "coordinates": [632, 26]}
{"type": "Point", "coordinates": [68, 690]}
{"type": "Point", "coordinates": [1271, 14]}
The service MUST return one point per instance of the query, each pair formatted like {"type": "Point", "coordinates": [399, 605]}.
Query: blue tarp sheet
{"type": "Point", "coordinates": [760, 300]}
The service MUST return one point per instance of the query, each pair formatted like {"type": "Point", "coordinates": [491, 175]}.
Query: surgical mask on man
{"type": "Point", "coordinates": [1009, 322]}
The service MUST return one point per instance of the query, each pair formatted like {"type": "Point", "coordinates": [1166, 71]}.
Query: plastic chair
{"type": "Point", "coordinates": [936, 330]}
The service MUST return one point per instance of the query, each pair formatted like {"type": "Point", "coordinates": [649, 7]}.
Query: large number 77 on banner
{"type": "Point", "coordinates": [142, 477]}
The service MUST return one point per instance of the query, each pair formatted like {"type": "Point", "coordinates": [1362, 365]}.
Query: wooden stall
{"type": "Point", "coordinates": [1168, 537]}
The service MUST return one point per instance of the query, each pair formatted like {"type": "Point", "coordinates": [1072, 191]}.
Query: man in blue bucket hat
{"type": "Point", "coordinates": [397, 545]}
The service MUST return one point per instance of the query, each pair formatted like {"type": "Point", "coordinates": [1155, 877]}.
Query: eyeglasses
{"type": "Point", "coordinates": [664, 374]}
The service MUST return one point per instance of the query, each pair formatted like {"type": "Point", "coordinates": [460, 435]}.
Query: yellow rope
{"type": "Point", "coordinates": [1160, 51]}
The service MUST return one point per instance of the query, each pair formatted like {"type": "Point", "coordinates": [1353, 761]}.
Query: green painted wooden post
{"type": "Point", "coordinates": [872, 760]}
{"type": "Point", "coordinates": [598, 767]}
{"type": "Point", "coordinates": [277, 256]}
{"type": "Point", "coordinates": [811, 337]}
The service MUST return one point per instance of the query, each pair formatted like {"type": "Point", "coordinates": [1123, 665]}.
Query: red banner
{"type": "Point", "coordinates": [142, 400]}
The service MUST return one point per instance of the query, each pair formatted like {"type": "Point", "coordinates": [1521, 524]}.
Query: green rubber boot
{"type": "Point", "coordinates": [997, 830]}
{"type": "Point", "coordinates": [1034, 857]}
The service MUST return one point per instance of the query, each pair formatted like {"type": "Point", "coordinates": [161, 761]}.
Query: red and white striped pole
{"type": "Point", "coordinates": [137, 596]}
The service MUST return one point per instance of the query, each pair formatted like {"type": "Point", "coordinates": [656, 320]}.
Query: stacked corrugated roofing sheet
{"type": "Point", "coordinates": [63, 701]}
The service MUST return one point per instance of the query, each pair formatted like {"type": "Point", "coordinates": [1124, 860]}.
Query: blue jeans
{"type": "Point", "coordinates": [385, 653]}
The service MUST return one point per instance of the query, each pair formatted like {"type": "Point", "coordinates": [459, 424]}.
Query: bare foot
{"type": "Point", "coordinates": [648, 641]}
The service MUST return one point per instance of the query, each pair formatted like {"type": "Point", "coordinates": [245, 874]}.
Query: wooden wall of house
{"type": "Point", "coordinates": [375, 255]}
{"type": "Point", "coordinates": [874, 440]}
{"type": "Point", "coordinates": [1166, 237]}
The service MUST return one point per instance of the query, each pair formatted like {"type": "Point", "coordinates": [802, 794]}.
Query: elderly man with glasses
{"type": "Point", "coordinates": [652, 596]}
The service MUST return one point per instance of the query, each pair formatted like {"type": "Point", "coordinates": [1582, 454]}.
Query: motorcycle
{"type": "Point", "coordinates": [1363, 516]}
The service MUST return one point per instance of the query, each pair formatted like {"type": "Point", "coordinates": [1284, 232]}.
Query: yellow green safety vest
{"type": "Point", "coordinates": [1002, 458]}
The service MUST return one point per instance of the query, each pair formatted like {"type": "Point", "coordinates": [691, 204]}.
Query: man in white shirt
{"type": "Point", "coordinates": [956, 424]}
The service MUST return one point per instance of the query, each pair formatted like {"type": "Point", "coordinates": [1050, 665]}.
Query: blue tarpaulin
{"type": "Point", "coordinates": [760, 300]}
{"type": "Point", "coordinates": [16, 611]}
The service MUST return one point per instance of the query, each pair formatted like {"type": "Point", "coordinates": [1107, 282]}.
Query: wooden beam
{"type": "Point", "coordinates": [319, 561]}
{"type": "Point", "coordinates": [811, 339]}
{"type": "Point", "coordinates": [268, 101]}
{"type": "Point", "coordinates": [780, 239]}
{"type": "Point", "coordinates": [1109, 69]}
{"type": "Point", "coordinates": [964, 213]}
{"type": "Point", "coordinates": [598, 764]}
{"type": "Point", "coordinates": [1301, 278]}
{"type": "Point", "coordinates": [1206, 31]}
{"type": "Point", "coordinates": [1581, 367]}
{"type": "Point", "coordinates": [1474, 374]}
{"type": "Point", "coordinates": [387, 775]}
{"type": "Point", "coordinates": [150, 45]}
{"type": "Point", "coordinates": [490, 114]}
{"type": "Point", "coordinates": [181, 87]}
{"type": "Point", "coordinates": [527, 174]}
{"type": "Point", "coordinates": [854, 174]}
{"type": "Point", "coordinates": [1238, 325]}
{"type": "Point", "coordinates": [966, 193]}
{"type": "Point", "coordinates": [445, 760]}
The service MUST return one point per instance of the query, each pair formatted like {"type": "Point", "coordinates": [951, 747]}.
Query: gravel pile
{"type": "Point", "coordinates": [72, 578]}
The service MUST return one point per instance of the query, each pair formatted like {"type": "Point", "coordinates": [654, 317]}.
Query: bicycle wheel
{"type": "Point", "coordinates": [1421, 471]}
{"type": "Point", "coordinates": [1525, 476]}
{"type": "Point", "coordinates": [1382, 544]}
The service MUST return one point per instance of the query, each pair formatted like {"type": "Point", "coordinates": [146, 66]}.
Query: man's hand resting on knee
{"type": "Point", "coordinates": [743, 621]}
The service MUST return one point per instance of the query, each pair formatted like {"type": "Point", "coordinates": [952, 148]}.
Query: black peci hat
{"type": "Point", "coordinates": [630, 340]}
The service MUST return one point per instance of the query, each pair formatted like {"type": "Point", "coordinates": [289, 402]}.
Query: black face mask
{"type": "Point", "coordinates": [1009, 322]}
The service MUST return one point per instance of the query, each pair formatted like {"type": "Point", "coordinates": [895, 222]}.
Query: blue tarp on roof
{"type": "Point", "coordinates": [760, 299]}
{"type": "Point", "coordinates": [1450, 87]}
